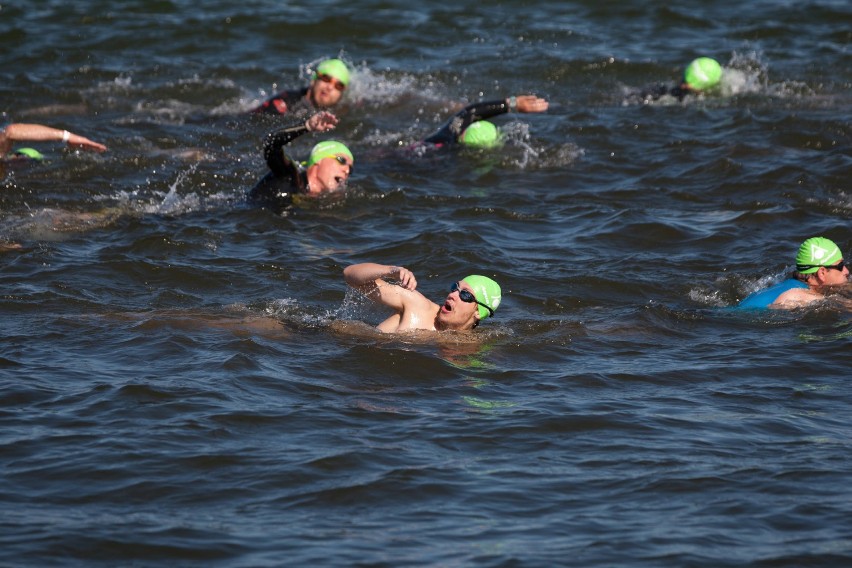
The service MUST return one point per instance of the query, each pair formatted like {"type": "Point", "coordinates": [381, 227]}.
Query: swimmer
{"type": "Point", "coordinates": [470, 300]}
{"type": "Point", "coordinates": [326, 171]}
{"type": "Point", "coordinates": [469, 127]}
{"type": "Point", "coordinates": [325, 90]}
{"type": "Point", "coordinates": [700, 75]}
{"type": "Point", "coordinates": [819, 264]}
{"type": "Point", "coordinates": [20, 132]}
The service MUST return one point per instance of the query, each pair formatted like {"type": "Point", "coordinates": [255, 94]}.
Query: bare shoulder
{"type": "Point", "coordinates": [418, 304]}
{"type": "Point", "coordinates": [795, 298]}
{"type": "Point", "coordinates": [418, 312]}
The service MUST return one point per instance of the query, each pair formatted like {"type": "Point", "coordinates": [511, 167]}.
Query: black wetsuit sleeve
{"type": "Point", "coordinates": [656, 92]}
{"type": "Point", "coordinates": [273, 149]}
{"type": "Point", "coordinates": [283, 103]}
{"type": "Point", "coordinates": [285, 176]}
{"type": "Point", "coordinates": [449, 133]}
{"type": "Point", "coordinates": [678, 92]}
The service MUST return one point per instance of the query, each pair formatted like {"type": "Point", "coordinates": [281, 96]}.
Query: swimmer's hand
{"type": "Point", "coordinates": [530, 103]}
{"type": "Point", "coordinates": [322, 121]}
{"type": "Point", "coordinates": [77, 141]}
{"type": "Point", "coordinates": [405, 277]}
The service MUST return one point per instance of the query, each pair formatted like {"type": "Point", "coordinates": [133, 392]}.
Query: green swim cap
{"type": "Point", "coordinates": [481, 134]}
{"type": "Point", "coordinates": [31, 153]}
{"type": "Point", "coordinates": [329, 149]}
{"type": "Point", "coordinates": [703, 73]}
{"type": "Point", "coordinates": [334, 67]}
{"type": "Point", "coordinates": [816, 252]}
{"type": "Point", "coordinates": [486, 291]}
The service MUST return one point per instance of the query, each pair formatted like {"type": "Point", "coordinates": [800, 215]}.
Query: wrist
{"type": "Point", "coordinates": [66, 136]}
{"type": "Point", "coordinates": [513, 103]}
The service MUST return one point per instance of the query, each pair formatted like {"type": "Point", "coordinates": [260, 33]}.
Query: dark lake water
{"type": "Point", "coordinates": [184, 380]}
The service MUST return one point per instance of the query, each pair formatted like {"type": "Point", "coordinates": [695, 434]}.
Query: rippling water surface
{"type": "Point", "coordinates": [184, 380]}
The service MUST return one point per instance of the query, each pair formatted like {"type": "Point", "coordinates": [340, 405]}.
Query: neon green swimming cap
{"type": "Point", "coordinates": [703, 73]}
{"type": "Point", "coordinates": [329, 149]}
{"type": "Point", "coordinates": [31, 153]}
{"type": "Point", "coordinates": [816, 252]}
{"type": "Point", "coordinates": [336, 68]}
{"type": "Point", "coordinates": [481, 134]}
{"type": "Point", "coordinates": [486, 291]}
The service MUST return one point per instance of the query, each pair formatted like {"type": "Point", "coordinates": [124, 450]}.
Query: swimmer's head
{"type": "Point", "coordinates": [30, 153]}
{"type": "Point", "coordinates": [487, 291]}
{"type": "Point", "coordinates": [334, 68]}
{"type": "Point", "coordinates": [816, 252]}
{"type": "Point", "coordinates": [329, 149]}
{"type": "Point", "coordinates": [481, 134]}
{"type": "Point", "coordinates": [703, 73]}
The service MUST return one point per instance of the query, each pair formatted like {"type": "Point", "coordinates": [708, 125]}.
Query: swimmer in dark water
{"type": "Point", "coordinates": [700, 75]}
{"type": "Point", "coordinates": [327, 169]}
{"type": "Point", "coordinates": [469, 127]}
{"type": "Point", "coordinates": [819, 264]}
{"type": "Point", "coordinates": [326, 89]}
{"type": "Point", "coordinates": [20, 132]}
{"type": "Point", "coordinates": [470, 300]}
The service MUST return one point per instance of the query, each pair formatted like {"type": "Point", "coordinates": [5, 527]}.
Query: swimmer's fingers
{"type": "Point", "coordinates": [406, 279]}
{"type": "Point", "coordinates": [531, 103]}
{"type": "Point", "coordinates": [321, 122]}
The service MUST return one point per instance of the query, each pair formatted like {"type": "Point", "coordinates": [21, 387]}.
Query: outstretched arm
{"type": "Point", "coordinates": [273, 148]}
{"type": "Point", "coordinates": [451, 131]}
{"type": "Point", "coordinates": [19, 132]}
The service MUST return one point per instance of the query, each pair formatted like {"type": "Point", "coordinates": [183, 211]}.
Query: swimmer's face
{"type": "Point", "coordinates": [456, 314]}
{"type": "Point", "coordinates": [831, 276]}
{"type": "Point", "coordinates": [326, 91]}
{"type": "Point", "coordinates": [332, 174]}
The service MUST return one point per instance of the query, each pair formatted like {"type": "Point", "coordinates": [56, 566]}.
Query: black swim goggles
{"type": "Point", "coordinates": [839, 266]}
{"type": "Point", "coordinates": [344, 162]}
{"type": "Point", "coordinates": [467, 297]}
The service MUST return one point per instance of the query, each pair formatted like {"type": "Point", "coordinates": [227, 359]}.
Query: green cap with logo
{"type": "Point", "coordinates": [486, 291]}
{"type": "Point", "coordinates": [329, 149]}
{"type": "Point", "coordinates": [481, 134]}
{"type": "Point", "coordinates": [335, 68]}
{"type": "Point", "coordinates": [816, 252]}
{"type": "Point", "coordinates": [703, 73]}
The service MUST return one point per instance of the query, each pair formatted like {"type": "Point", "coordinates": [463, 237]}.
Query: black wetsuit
{"type": "Point", "coordinates": [286, 176]}
{"type": "Point", "coordinates": [452, 130]}
{"type": "Point", "coordinates": [659, 91]}
{"type": "Point", "coordinates": [286, 102]}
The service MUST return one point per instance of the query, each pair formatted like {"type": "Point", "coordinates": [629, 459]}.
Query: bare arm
{"type": "Point", "coordinates": [369, 279]}
{"type": "Point", "coordinates": [19, 132]}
